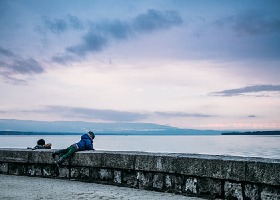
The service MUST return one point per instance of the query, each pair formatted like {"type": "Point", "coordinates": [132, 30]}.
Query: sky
{"type": "Point", "coordinates": [184, 63]}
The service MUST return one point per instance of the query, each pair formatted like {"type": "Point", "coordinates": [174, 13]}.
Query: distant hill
{"type": "Point", "coordinates": [17, 127]}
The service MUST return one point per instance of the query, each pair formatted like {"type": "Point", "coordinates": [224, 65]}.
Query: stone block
{"type": "Point", "coordinates": [84, 173]}
{"type": "Point", "coordinates": [75, 173]}
{"type": "Point", "coordinates": [94, 174]}
{"type": "Point", "coordinates": [269, 193]}
{"type": "Point", "coordinates": [14, 155]}
{"type": "Point", "coordinates": [41, 156]}
{"type": "Point", "coordinates": [50, 171]}
{"type": "Point", "coordinates": [169, 182]}
{"type": "Point", "coordinates": [87, 159]}
{"type": "Point", "coordinates": [117, 177]}
{"type": "Point", "coordinates": [210, 167]}
{"type": "Point", "coordinates": [155, 162]}
{"type": "Point", "coordinates": [129, 178]}
{"type": "Point", "coordinates": [63, 172]}
{"type": "Point", "coordinates": [4, 168]}
{"type": "Point", "coordinates": [265, 171]}
{"type": "Point", "coordinates": [145, 180]}
{"type": "Point", "coordinates": [191, 185]}
{"type": "Point", "coordinates": [178, 183]}
{"type": "Point", "coordinates": [118, 160]}
{"type": "Point", "coordinates": [34, 170]}
{"type": "Point", "coordinates": [252, 191]}
{"type": "Point", "coordinates": [209, 187]}
{"type": "Point", "coordinates": [158, 181]}
{"type": "Point", "coordinates": [79, 173]}
{"type": "Point", "coordinates": [106, 174]}
{"type": "Point", "coordinates": [17, 169]}
{"type": "Point", "coordinates": [233, 190]}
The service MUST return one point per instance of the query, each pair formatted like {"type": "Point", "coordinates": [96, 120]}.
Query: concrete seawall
{"type": "Point", "coordinates": [225, 177]}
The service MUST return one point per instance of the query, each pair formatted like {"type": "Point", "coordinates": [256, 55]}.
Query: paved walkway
{"type": "Point", "coordinates": [35, 188]}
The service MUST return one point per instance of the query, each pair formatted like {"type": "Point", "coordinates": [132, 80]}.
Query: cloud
{"type": "Point", "coordinates": [7, 53]}
{"type": "Point", "coordinates": [12, 64]}
{"type": "Point", "coordinates": [116, 29]}
{"type": "Point", "coordinates": [58, 26]}
{"type": "Point", "coordinates": [156, 20]}
{"type": "Point", "coordinates": [100, 34]}
{"type": "Point", "coordinates": [97, 114]}
{"type": "Point", "coordinates": [181, 114]}
{"type": "Point", "coordinates": [28, 66]}
{"type": "Point", "coordinates": [63, 59]}
{"type": "Point", "coordinates": [249, 89]}
{"type": "Point", "coordinates": [92, 42]}
{"type": "Point", "coordinates": [251, 23]}
{"type": "Point", "coordinates": [252, 116]}
{"type": "Point", "coordinates": [16, 65]}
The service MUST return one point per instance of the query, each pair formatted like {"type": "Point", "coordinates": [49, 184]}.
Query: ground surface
{"type": "Point", "coordinates": [26, 188]}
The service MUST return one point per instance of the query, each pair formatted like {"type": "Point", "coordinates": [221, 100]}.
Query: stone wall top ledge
{"type": "Point", "coordinates": [140, 153]}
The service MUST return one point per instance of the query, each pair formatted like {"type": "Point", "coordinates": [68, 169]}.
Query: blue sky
{"type": "Point", "coordinates": [190, 64]}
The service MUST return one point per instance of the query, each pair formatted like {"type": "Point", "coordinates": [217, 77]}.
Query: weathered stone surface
{"type": "Point", "coordinates": [63, 172]}
{"type": "Point", "coordinates": [87, 159]}
{"type": "Point", "coordinates": [3, 168]}
{"type": "Point", "coordinates": [264, 172]}
{"type": "Point", "coordinates": [50, 171]}
{"type": "Point", "coordinates": [41, 156]}
{"type": "Point", "coordinates": [129, 178]}
{"type": "Point", "coordinates": [270, 193]}
{"type": "Point", "coordinates": [79, 173]}
{"type": "Point", "coordinates": [158, 181]}
{"type": "Point", "coordinates": [118, 160]}
{"type": "Point", "coordinates": [252, 192]}
{"type": "Point", "coordinates": [106, 174]}
{"type": "Point", "coordinates": [178, 183]}
{"type": "Point", "coordinates": [94, 174]}
{"type": "Point", "coordinates": [145, 180]}
{"type": "Point", "coordinates": [117, 177]}
{"type": "Point", "coordinates": [209, 187]}
{"type": "Point", "coordinates": [233, 190]}
{"type": "Point", "coordinates": [191, 185]}
{"type": "Point", "coordinates": [169, 182]}
{"type": "Point", "coordinates": [34, 170]}
{"type": "Point", "coordinates": [212, 168]}
{"type": "Point", "coordinates": [17, 169]}
{"type": "Point", "coordinates": [14, 155]}
{"type": "Point", "coordinates": [224, 177]}
{"type": "Point", "coordinates": [155, 162]}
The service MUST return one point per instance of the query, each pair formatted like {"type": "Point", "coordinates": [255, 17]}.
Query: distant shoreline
{"type": "Point", "coordinates": [253, 133]}
{"type": "Point", "coordinates": [140, 133]}
{"type": "Point", "coordinates": [143, 133]}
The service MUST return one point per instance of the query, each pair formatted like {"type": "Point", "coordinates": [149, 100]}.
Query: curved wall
{"type": "Point", "coordinates": [208, 176]}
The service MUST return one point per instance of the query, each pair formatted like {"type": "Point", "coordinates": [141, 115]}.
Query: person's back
{"type": "Point", "coordinates": [85, 143]}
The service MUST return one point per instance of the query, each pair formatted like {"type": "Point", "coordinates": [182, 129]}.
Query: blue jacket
{"type": "Point", "coordinates": [85, 143]}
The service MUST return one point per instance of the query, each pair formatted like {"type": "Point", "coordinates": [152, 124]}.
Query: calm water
{"type": "Point", "coordinates": [250, 146]}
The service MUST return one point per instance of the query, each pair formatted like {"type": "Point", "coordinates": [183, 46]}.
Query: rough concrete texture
{"type": "Point", "coordinates": [33, 188]}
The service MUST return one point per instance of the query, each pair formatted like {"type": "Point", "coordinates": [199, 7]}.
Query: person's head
{"type": "Point", "coordinates": [41, 142]}
{"type": "Point", "coordinates": [91, 134]}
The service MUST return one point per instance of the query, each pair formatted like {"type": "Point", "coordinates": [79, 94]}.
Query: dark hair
{"type": "Point", "coordinates": [41, 142]}
{"type": "Point", "coordinates": [91, 134]}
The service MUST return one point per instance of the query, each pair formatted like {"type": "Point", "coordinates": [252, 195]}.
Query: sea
{"type": "Point", "coordinates": [234, 145]}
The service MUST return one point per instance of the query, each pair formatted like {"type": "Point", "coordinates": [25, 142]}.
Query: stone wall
{"type": "Point", "coordinates": [224, 177]}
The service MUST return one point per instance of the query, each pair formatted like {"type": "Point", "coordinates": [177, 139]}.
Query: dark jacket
{"type": "Point", "coordinates": [38, 147]}
{"type": "Point", "coordinates": [85, 143]}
